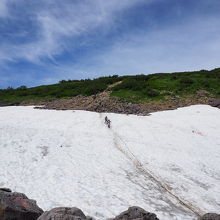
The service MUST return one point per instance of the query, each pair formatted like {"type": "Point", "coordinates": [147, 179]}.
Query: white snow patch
{"type": "Point", "coordinates": [70, 158]}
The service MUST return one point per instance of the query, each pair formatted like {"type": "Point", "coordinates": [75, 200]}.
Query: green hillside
{"type": "Point", "coordinates": [139, 88]}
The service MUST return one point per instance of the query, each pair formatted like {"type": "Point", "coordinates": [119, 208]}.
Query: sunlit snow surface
{"type": "Point", "coordinates": [71, 158]}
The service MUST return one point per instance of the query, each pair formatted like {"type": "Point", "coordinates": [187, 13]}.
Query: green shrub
{"type": "Point", "coordinates": [204, 84]}
{"type": "Point", "coordinates": [22, 88]}
{"type": "Point", "coordinates": [130, 84]}
{"type": "Point", "coordinates": [150, 92]}
{"type": "Point", "coordinates": [186, 81]}
{"type": "Point", "coordinates": [94, 89]}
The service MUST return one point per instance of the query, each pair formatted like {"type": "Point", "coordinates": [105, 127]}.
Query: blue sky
{"type": "Point", "coordinates": [44, 41]}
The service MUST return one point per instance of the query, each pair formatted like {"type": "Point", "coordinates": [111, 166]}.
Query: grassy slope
{"type": "Point", "coordinates": [161, 85]}
{"type": "Point", "coordinates": [63, 89]}
{"type": "Point", "coordinates": [139, 88]}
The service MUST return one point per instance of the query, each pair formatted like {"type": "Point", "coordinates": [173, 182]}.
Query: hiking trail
{"type": "Point", "coordinates": [121, 145]}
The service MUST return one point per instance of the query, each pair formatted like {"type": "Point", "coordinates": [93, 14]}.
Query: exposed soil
{"type": "Point", "coordinates": [103, 102]}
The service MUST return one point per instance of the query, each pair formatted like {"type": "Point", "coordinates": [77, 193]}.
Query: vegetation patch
{"type": "Point", "coordinates": [139, 88]}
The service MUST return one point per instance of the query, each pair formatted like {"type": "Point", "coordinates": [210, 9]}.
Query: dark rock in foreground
{"type": "Point", "coordinates": [63, 213]}
{"type": "Point", "coordinates": [215, 103]}
{"type": "Point", "coordinates": [210, 216]}
{"type": "Point", "coordinates": [66, 213]}
{"type": "Point", "coordinates": [136, 213]}
{"type": "Point", "coordinates": [17, 206]}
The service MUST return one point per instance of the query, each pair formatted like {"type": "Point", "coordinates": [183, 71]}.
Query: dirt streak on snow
{"type": "Point", "coordinates": [70, 158]}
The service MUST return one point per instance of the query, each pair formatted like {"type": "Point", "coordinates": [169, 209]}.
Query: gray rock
{"type": "Point", "coordinates": [17, 206]}
{"type": "Point", "coordinates": [215, 103]}
{"type": "Point", "coordinates": [90, 218]}
{"type": "Point", "coordinates": [63, 213]}
{"type": "Point", "coordinates": [5, 189]}
{"type": "Point", "coordinates": [136, 213]}
{"type": "Point", "coordinates": [210, 216]}
{"type": "Point", "coordinates": [4, 104]}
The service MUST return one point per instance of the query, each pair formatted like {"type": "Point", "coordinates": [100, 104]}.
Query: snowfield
{"type": "Point", "coordinates": [167, 163]}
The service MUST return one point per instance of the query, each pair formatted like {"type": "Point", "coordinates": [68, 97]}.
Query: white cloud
{"type": "Point", "coordinates": [3, 8]}
{"type": "Point", "coordinates": [58, 20]}
{"type": "Point", "coordinates": [192, 46]}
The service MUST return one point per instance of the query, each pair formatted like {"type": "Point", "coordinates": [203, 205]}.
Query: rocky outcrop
{"type": "Point", "coordinates": [101, 102]}
{"type": "Point", "coordinates": [104, 102]}
{"type": "Point", "coordinates": [65, 213]}
{"type": "Point", "coordinates": [17, 206]}
{"type": "Point", "coordinates": [210, 216]}
{"type": "Point", "coordinates": [4, 104]}
{"type": "Point", "coordinates": [136, 213]}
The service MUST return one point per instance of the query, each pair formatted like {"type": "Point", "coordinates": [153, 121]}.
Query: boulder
{"type": "Point", "coordinates": [210, 216]}
{"type": "Point", "coordinates": [63, 213]}
{"type": "Point", "coordinates": [17, 206]}
{"type": "Point", "coordinates": [215, 103]}
{"type": "Point", "coordinates": [136, 213]}
{"type": "Point", "coordinates": [5, 189]}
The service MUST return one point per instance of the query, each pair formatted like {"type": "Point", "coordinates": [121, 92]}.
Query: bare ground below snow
{"type": "Point", "coordinates": [103, 102]}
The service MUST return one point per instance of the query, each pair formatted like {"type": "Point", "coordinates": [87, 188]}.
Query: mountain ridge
{"type": "Point", "coordinates": [139, 94]}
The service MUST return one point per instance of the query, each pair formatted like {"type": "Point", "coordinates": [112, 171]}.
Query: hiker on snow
{"type": "Point", "coordinates": [107, 122]}
{"type": "Point", "coordinates": [106, 119]}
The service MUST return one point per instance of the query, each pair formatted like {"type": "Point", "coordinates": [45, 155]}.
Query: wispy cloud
{"type": "Point", "coordinates": [3, 8]}
{"type": "Point", "coordinates": [59, 20]}
{"type": "Point", "coordinates": [193, 45]}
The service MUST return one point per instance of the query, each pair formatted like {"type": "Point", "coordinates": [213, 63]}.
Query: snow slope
{"type": "Point", "coordinates": [167, 163]}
